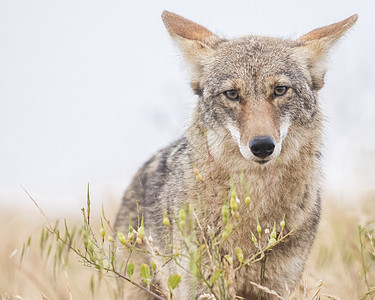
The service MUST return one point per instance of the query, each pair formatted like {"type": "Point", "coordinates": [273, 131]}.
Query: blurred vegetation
{"type": "Point", "coordinates": [340, 265]}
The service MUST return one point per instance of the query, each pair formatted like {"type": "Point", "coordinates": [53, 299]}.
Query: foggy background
{"type": "Point", "coordinates": [90, 89]}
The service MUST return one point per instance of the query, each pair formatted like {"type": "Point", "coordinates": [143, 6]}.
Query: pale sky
{"type": "Point", "coordinates": [89, 90]}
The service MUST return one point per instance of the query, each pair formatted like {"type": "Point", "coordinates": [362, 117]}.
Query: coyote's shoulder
{"type": "Point", "coordinates": [257, 120]}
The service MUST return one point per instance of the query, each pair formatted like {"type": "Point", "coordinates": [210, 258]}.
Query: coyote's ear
{"type": "Point", "coordinates": [196, 42]}
{"type": "Point", "coordinates": [317, 43]}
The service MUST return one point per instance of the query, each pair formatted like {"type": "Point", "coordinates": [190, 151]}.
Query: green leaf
{"type": "Point", "coordinates": [28, 241]}
{"type": "Point", "coordinates": [145, 274]}
{"type": "Point", "coordinates": [42, 240]}
{"type": "Point", "coordinates": [121, 238]}
{"type": "Point", "coordinates": [215, 276]}
{"type": "Point", "coordinates": [122, 266]}
{"type": "Point", "coordinates": [239, 254]}
{"type": "Point", "coordinates": [229, 259]}
{"type": "Point", "coordinates": [174, 280]}
{"type": "Point", "coordinates": [66, 229]}
{"type": "Point", "coordinates": [23, 251]}
{"type": "Point", "coordinates": [130, 269]}
{"type": "Point", "coordinates": [225, 213]}
{"type": "Point", "coordinates": [103, 212]}
{"type": "Point", "coordinates": [227, 231]}
{"type": "Point", "coordinates": [153, 266]}
{"type": "Point", "coordinates": [56, 225]}
{"type": "Point", "coordinates": [92, 284]}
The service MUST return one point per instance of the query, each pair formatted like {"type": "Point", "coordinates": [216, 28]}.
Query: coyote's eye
{"type": "Point", "coordinates": [280, 90]}
{"type": "Point", "coordinates": [232, 95]}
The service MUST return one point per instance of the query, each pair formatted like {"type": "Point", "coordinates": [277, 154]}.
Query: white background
{"type": "Point", "coordinates": [90, 89]}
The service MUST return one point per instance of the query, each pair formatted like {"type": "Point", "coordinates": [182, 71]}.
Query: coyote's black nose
{"type": "Point", "coordinates": [262, 146]}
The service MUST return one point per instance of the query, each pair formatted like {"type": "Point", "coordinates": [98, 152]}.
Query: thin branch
{"type": "Point", "coordinates": [267, 290]}
{"type": "Point", "coordinates": [91, 263]}
{"type": "Point", "coordinates": [204, 238]}
{"type": "Point", "coordinates": [136, 284]}
{"type": "Point", "coordinates": [201, 275]}
{"type": "Point", "coordinates": [259, 255]}
{"type": "Point", "coordinates": [106, 220]}
{"type": "Point", "coordinates": [127, 260]}
{"type": "Point", "coordinates": [40, 210]}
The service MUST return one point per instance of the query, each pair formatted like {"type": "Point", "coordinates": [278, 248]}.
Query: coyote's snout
{"type": "Point", "coordinates": [256, 129]}
{"type": "Point", "coordinates": [262, 146]}
{"type": "Point", "coordinates": [260, 130]}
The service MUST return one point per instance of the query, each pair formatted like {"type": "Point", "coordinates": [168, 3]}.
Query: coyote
{"type": "Point", "coordinates": [257, 119]}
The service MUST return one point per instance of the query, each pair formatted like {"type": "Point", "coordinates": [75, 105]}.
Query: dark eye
{"type": "Point", "coordinates": [280, 90]}
{"type": "Point", "coordinates": [232, 95]}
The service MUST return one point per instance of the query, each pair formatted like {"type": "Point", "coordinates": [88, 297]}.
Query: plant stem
{"type": "Point", "coordinates": [262, 272]}
{"type": "Point", "coordinates": [360, 232]}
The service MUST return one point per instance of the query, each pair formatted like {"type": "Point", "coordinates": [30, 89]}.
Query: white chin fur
{"type": "Point", "coordinates": [214, 140]}
{"type": "Point", "coordinates": [284, 127]}
{"type": "Point", "coordinates": [245, 149]}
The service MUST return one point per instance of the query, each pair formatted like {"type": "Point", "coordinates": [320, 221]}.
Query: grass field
{"type": "Point", "coordinates": [335, 269]}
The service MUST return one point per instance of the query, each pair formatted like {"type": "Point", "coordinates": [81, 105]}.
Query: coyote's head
{"type": "Point", "coordinates": [255, 88]}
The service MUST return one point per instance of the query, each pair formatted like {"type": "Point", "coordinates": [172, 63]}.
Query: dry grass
{"type": "Point", "coordinates": [334, 270]}
{"type": "Point", "coordinates": [35, 277]}
{"type": "Point", "coordinates": [336, 256]}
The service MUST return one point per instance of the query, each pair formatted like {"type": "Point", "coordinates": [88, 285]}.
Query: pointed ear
{"type": "Point", "coordinates": [317, 43]}
{"type": "Point", "coordinates": [196, 42]}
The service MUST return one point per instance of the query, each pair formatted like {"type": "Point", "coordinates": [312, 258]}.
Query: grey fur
{"type": "Point", "coordinates": [253, 66]}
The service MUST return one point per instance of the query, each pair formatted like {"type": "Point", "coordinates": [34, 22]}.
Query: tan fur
{"type": "Point", "coordinates": [179, 26]}
{"type": "Point", "coordinates": [332, 31]}
{"type": "Point", "coordinates": [318, 42]}
{"type": "Point", "coordinates": [261, 119]}
{"type": "Point", "coordinates": [217, 143]}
